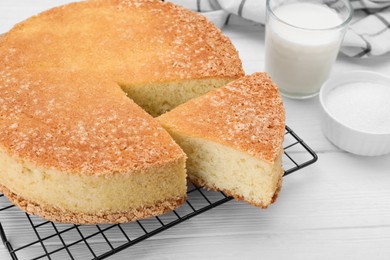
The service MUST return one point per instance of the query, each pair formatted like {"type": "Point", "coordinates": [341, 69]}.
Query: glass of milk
{"type": "Point", "coordinates": [303, 38]}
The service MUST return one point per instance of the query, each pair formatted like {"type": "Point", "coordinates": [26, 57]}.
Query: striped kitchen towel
{"type": "Point", "coordinates": [367, 35]}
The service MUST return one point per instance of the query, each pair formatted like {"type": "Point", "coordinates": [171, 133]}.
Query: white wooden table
{"type": "Point", "coordinates": [337, 208]}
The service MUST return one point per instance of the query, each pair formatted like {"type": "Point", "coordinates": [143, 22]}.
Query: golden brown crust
{"type": "Point", "coordinates": [134, 41]}
{"type": "Point", "coordinates": [201, 183]}
{"type": "Point", "coordinates": [246, 114]}
{"type": "Point", "coordinates": [56, 215]}
{"type": "Point", "coordinates": [91, 128]}
{"type": "Point", "coordinates": [60, 103]}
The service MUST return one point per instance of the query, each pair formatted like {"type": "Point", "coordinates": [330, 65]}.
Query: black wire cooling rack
{"type": "Point", "coordinates": [65, 241]}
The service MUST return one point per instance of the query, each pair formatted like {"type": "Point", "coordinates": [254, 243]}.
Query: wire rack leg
{"type": "Point", "coordinates": [2, 235]}
{"type": "Point", "coordinates": [6, 243]}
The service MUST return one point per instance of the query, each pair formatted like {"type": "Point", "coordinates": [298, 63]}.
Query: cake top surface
{"type": "Point", "coordinates": [246, 114]}
{"type": "Point", "coordinates": [136, 41]}
{"type": "Point", "coordinates": [61, 106]}
{"type": "Point", "coordinates": [92, 127]}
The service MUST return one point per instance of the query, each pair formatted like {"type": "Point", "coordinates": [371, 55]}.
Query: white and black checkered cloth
{"type": "Point", "coordinates": [367, 35]}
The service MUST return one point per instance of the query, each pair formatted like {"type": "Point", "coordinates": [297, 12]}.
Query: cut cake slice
{"type": "Point", "coordinates": [233, 138]}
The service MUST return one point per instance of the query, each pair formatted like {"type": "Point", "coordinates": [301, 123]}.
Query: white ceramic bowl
{"type": "Point", "coordinates": [351, 139]}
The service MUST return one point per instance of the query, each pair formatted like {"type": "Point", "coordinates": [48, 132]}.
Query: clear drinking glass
{"type": "Point", "coordinates": [303, 38]}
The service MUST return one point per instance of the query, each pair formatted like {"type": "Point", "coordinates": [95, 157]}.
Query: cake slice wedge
{"type": "Point", "coordinates": [233, 138]}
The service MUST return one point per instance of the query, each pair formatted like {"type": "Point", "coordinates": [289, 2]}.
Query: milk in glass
{"type": "Point", "coordinates": [302, 43]}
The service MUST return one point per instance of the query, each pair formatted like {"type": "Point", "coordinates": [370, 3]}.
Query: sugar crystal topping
{"type": "Point", "coordinates": [84, 132]}
{"type": "Point", "coordinates": [60, 102]}
{"type": "Point", "coordinates": [247, 114]}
